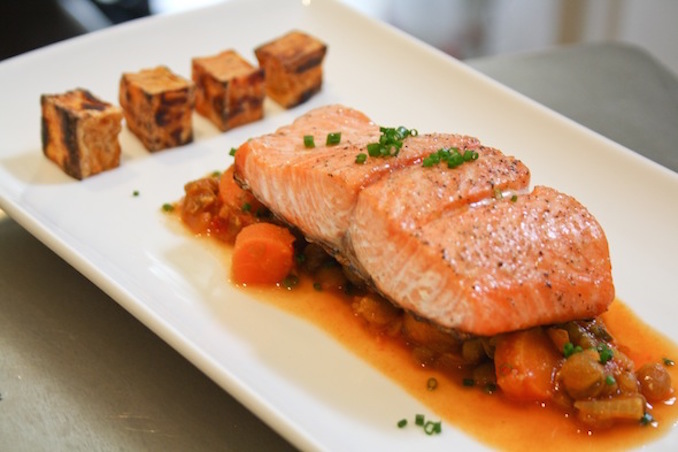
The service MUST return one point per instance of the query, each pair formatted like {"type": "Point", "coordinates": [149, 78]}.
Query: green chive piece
{"type": "Point", "coordinates": [610, 380]}
{"type": "Point", "coordinates": [514, 198]}
{"type": "Point", "coordinates": [432, 428]}
{"type": "Point", "coordinates": [290, 281]}
{"type": "Point", "coordinates": [402, 423]}
{"type": "Point", "coordinates": [333, 138]}
{"type": "Point", "coordinates": [647, 419]}
{"type": "Point", "coordinates": [419, 420]}
{"type": "Point", "coordinates": [668, 362]}
{"type": "Point", "coordinates": [135, 193]}
{"type": "Point", "coordinates": [431, 384]}
{"type": "Point", "coordinates": [490, 388]}
{"type": "Point", "coordinates": [309, 142]}
{"type": "Point", "coordinates": [361, 158]}
{"type": "Point", "coordinates": [167, 207]}
{"type": "Point", "coordinates": [232, 152]}
{"type": "Point", "coordinates": [605, 353]}
{"type": "Point", "coordinates": [246, 207]}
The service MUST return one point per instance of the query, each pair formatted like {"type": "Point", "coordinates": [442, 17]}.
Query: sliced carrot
{"type": "Point", "coordinates": [233, 196]}
{"type": "Point", "coordinates": [525, 364]}
{"type": "Point", "coordinates": [263, 254]}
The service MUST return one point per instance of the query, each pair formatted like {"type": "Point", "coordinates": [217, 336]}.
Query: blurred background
{"type": "Point", "coordinates": [462, 28]}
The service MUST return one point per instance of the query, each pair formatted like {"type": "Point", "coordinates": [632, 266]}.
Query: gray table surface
{"type": "Point", "coordinates": [77, 372]}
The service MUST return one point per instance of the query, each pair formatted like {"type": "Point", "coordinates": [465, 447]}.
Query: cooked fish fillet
{"type": "Point", "coordinates": [468, 248]}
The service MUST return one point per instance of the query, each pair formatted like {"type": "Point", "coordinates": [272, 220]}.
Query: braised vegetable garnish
{"type": "Point", "coordinates": [575, 367]}
{"type": "Point", "coordinates": [263, 254]}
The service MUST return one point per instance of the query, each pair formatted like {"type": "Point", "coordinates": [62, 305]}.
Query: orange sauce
{"type": "Point", "coordinates": [490, 418]}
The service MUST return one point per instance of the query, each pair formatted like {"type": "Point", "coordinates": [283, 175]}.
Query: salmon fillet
{"type": "Point", "coordinates": [468, 248]}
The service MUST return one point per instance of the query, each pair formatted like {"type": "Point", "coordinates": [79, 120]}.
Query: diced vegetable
{"type": "Point", "coordinates": [525, 363]}
{"type": "Point", "coordinates": [655, 382]}
{"type": "Point", "coordinates": [582, 375]}
{"type": "Point", "coordinates": [604, 412]}
{"type": "Point", "coordinates": [263, 254]}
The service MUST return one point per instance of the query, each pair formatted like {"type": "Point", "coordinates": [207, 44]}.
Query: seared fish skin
{"type": "Point", "coordinates": [467, 248]}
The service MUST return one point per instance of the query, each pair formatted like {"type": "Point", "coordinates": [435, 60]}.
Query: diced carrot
{"type": "Point", "coordinates": [233, 196]}
{"type": "Point", "coordinates": [525, 364]}
{"type": "Point", "coordinates": [263, 254]}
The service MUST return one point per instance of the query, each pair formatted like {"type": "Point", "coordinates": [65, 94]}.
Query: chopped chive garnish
{"type": "Point", "coordinates": [647, 419]}
{"type": "Point", "coordinates": [570, 349]}
{"type": "Point", "coordinates": [167, 207]}
{"type": "Point", "coordinates": [390, 142]}
{"type": "Point", "coordinates": [453, 157]}
{"type": "Point", "coordinates": [135, 193]}
{"type": "Point", "coordinates": [216, 173]}
{"type": "Point", "coordinates": [290, 281]}
{"type": "Point", "coordinates": [668, 362]}
{"type": "Point", "coordinates": [514, 198]}
{"type": "Point", "coordinates": [246, 207]}
{"type": "Point", "coordinates": [605, 353]}
{"type": "Point", "coordinates": [402, 423]}
{"type": "Point", "coordinates": [232, 152]}
{"type": "Point", "coordinates": [308, 141]}
{"type": "Point", "coordinates": [610, 380]}
{"type": "Point", "coordinates": [333, 138]}
{"type": "Point", "coordinates": [432, 428]}
{"type": "Point", "coordinates": [419, 420]}
{"type": "Point", "coordinates": [490, 388]}
{"type": "Point", "coordinates": [361, 158]}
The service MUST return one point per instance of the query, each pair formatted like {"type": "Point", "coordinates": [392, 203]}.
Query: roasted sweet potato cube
{"type": "Point", "coordinates": [158, 105]}
{"type": "Point", "coordinates": [80, 132]}
{"type": "Point", "coordinates": [229, 91]}
{"type": "Point", "coordinates": [293, 67]}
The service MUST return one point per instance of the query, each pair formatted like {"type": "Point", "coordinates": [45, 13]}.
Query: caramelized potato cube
{"type": "Point", "coordinates": [80, 132]}
{"type": "Point", "coordinates": [157, 105]}
{"type": "Point", "coordinates": [229, 90]}
{"type": "Point", "coordinates": [293, 67]}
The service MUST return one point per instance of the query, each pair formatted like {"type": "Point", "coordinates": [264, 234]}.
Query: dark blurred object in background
{"type": "Point", "coordinates": [119, 11]}
{"type": "Point", "coordinates": [28, 24]}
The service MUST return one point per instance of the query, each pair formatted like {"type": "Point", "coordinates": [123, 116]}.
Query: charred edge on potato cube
{"type": "Point", "coordinates": [158, 105]}
{"type": "Point", "coordinates": [229, 90]}
{"type": "Point", "coordinates": [80, 132]}
{"type": "Point", "coordinates": [293, 67]}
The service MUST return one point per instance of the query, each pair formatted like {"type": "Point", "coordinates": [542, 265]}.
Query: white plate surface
{"type": "Point", "coordinates": [177, 286]}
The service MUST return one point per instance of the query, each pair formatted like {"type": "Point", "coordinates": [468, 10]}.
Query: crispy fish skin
{"type": "Point", "coordinates": [467, 248]}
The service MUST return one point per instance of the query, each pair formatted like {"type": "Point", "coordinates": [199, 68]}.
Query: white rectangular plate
{"type": "Point", "coordinates": [177, 286]}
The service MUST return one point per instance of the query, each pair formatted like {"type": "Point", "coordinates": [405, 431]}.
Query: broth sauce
{"type": "Point", "coordinates": [483, 413]}
{"type": "Point", "coordinates": [488, 417]}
